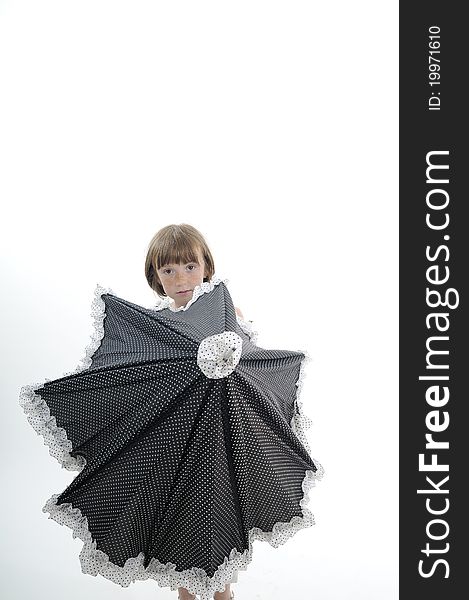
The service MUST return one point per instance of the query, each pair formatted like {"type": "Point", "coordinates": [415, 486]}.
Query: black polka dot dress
{"type": "Point", "coordinates": [188, 438]}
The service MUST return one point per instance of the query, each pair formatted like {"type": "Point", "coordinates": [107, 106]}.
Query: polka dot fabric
{"type": "Point", "coordinates": [178, 471]}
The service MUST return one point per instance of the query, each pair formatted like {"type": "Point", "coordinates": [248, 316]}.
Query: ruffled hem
{"type": "Point", "coordinates": [195, 580]}
{"type": "Point", "coordinates": [300, 422]}
{"type": "Point", "coordinates": [36, 409]}
{"type": "Point", "coordinates": [247, 327]}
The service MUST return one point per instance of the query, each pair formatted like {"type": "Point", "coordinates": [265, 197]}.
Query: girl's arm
{"type": "Point", "coordinates": [238, 312]}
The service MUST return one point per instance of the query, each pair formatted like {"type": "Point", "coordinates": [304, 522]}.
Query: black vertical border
{"type": "Point", "coordinates": [421, 131]}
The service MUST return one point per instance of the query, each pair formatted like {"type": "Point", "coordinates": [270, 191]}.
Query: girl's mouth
{"type": "Point", "coordinates": [184, 292]}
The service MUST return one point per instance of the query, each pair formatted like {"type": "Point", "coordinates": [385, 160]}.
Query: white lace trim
{"type": "Point", "coordinates": [199, 290]}
{"type": "Point", "coordinates": [195, 580]}
{"type": "Point", "coordinates": [247, 327]}
{"type": "Point", "coordinates": [300, 421]}
{"type": "Point", "coordinates": [37, 411]}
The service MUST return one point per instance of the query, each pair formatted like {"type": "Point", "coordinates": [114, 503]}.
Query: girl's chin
{"type": "Point", "coordinates": [182, 299]}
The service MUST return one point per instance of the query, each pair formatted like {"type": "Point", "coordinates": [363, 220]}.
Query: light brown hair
{"type": "Point", "coordinates": [176, 244]}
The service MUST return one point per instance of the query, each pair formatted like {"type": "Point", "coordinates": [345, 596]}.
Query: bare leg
{"type": "Point", "coordinates": [223, 595]}
{"type": "Point", "coordinates": [184, 594]}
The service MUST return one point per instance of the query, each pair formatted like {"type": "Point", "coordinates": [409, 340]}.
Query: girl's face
{"type": "Point", "coordinates": [179, 280]}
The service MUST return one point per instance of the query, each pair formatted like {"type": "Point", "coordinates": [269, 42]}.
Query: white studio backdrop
{"type": "Point", "coordinates": [272, 128]}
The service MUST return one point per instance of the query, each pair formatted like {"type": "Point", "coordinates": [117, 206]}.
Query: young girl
{"type": "Point", "coordinates": [178, 260]}
{"type": "Point", "coordinates": [215, 462]}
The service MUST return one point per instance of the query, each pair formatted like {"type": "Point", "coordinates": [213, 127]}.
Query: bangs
{"type": "Point", "coordinates": [176, 251]}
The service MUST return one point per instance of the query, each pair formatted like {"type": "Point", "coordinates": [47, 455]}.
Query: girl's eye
{"type": "Point", "coordinates": [166, 271]}
{"type": "Point", "coordinates": [192, 267]}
